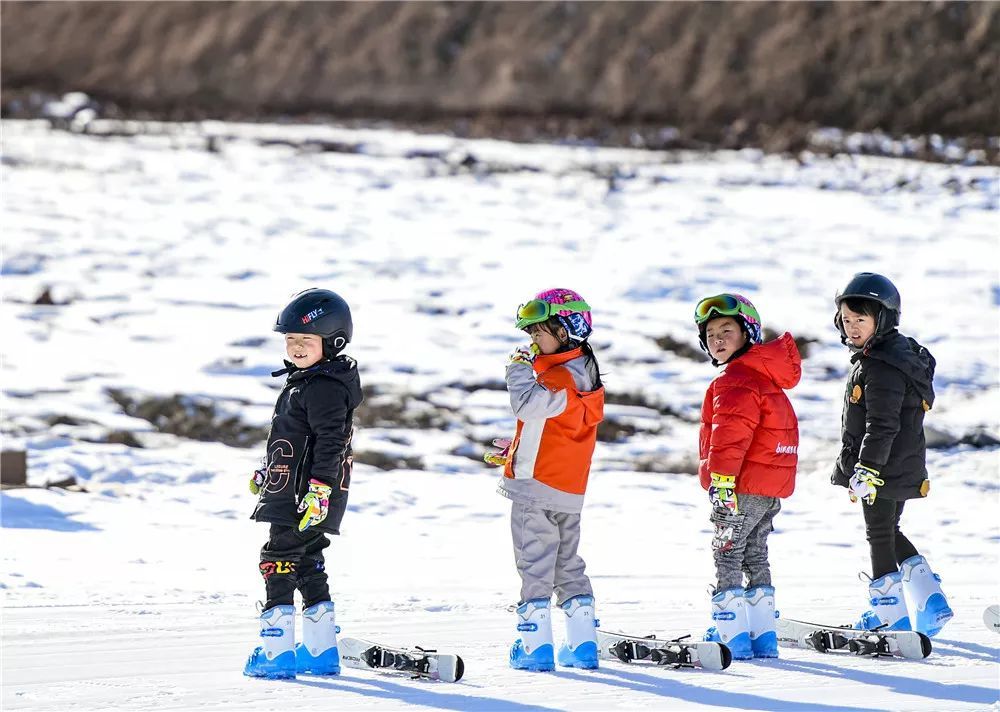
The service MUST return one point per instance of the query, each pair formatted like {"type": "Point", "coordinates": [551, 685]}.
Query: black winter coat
{"type": "Point", "coordinates": [888, 391]}
{"type": "Point", "coordinates": [310, 438]}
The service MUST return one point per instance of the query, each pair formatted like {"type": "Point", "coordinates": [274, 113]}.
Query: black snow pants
{"type": "Point", "coordinates": [889, 547]}
{"type": "Point", "coordinates": [294, 560]}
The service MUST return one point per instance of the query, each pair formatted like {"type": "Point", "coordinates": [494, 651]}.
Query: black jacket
{"type": "Point", "coordinates": [310, 438]}
{"type": "Point", "coordinates": [888, 391]}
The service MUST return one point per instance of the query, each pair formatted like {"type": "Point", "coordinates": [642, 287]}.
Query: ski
{"type": "Point", "coordinates": [991, 618]}
{"type": "Point", "coordinates": [669, 652]}
{"type": "Point", "coordinates": [415, 662]}
{"type": "Point", "coordinates": [873, 643]}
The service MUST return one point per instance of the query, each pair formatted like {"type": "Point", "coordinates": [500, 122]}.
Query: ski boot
{"type": "Point", "coordinates": [888, 607]}
{"type": "Point", "coordinates": [317, 653]}
{"type": "Point", "coordinates": [928, 606]}
{"type": "Point", "coordinates": [275, 659]}
{"type": "Point", "coordinates": [533, 650]}
{"type": "Point", "coordinates": [760, 616]}
{"type": "Point", "coordinates": [731, 625]}
{"type": "Point", "coordinates": [580, 648]}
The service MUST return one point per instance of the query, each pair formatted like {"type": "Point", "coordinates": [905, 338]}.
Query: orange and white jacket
{"type": "Point", "coordinates": [557, 408]}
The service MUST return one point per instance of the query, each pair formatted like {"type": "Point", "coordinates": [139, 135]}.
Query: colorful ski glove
{"type": "Point", "coordinates": [499, 459]}
{"type": "Point", "coordinates": [524, 354]}
{"type": "Point", "coordinates": [315, 504]}
{"type": "Point", "coordinates": [258, 479]}
{"type": "Point", "coordinates": [723, 492]}
{"type": "Point", "coordinates": [863, 484]}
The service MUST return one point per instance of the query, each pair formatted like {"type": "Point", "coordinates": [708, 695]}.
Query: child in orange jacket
{"type": "Point", "coordinates": [558, 399]}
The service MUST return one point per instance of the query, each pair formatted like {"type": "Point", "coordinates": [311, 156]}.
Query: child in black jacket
{"type": "Point", "coordinates": [303, 485]}
{"type": "Point", "coordinates": [883, 455]}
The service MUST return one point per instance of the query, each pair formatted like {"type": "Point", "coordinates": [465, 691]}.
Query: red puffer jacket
{"type": "Point", "coordinates": [748, 426]}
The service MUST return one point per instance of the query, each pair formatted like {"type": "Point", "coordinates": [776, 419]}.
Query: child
{"type": "Point", "coordinates": [882, 460]}
{"type": "Point", "coordinates": [303, 485]}
{"type": "Point", "coordinates": [558, 400]}
{"type": "Point", "coordinates": [749, 452]}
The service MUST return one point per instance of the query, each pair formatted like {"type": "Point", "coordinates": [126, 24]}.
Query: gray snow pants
{"type": "Point", "coordinates": [744, 549]}
{"type": "Point", "coordinates": [545, 544]}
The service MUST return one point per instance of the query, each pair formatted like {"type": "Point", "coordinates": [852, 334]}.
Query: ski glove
{"type": "Point", "coordinates": [316, 504]}
{"type": "Point", "coordinates": [863, 484]}
{"type": "Point", "coordinates": [257, 480]}
{"type": "Point", "coordinates": [524, 354]}
{"type": "Point", "coordinates": [498, 459]}
{"type": "Point", "coordinates": [723, 492]}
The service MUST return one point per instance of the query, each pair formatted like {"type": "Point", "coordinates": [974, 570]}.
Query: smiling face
{"type": "Point", "coordinates": [724, 337]}
{"type": "Point", "coordinates": [304, 350]}
{"type": "Point", "coordinates": [858, 326]}
{"type": "Point", "coordinates": [545, 340]}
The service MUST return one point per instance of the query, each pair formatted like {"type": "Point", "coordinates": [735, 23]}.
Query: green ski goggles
{"type": "Point", "coordinates": [538, 310]}
{"type": "Point", "coordinates": [724, 305]}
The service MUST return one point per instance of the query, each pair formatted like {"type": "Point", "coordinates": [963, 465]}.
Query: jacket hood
{"type": "Point", "coordinates": [914, 360]}
{"type": "Point", "coordinates": [593, 407]}
{"type": "Point", "coordinates": [593, 401]}
{"type": "Point", "coordinates": [779, 360]}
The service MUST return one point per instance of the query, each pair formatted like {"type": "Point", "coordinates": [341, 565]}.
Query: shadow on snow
{"type": "Point", "coordinates": [909, 684]}
{"type": "Point", "coordinates": [434, 696]}
{"type": "Point", "coordinates": [16, 513]}
{"type": "Point", "coordinates": [683, 692]}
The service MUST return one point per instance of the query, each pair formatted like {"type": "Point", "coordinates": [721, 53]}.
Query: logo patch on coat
{"type": "Point", "coordinates": [855, 394]}
{"type": "Point", "coordinates": [786, 449]}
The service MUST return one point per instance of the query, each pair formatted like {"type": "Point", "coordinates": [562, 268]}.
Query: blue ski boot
{"type": "Point", "coordinates": [275, 659]}
{"type": "Point", "coordinates": [317, 653]}
{"type": "Point", "coordinates": [731, 625]}
{"type": "Point", "coordinates": [580, 648]}
{"type": "Point", "coordinates": [760, 616]}
{"type": "Point", "coordinates": [929, 609]}
{"type": "Point", "coordinates": [533, 650]}
{"type": "Point", "coordinates": [888, 607]}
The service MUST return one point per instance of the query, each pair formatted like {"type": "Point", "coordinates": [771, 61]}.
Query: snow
{"type": "Point", "coordinates": [168, 264]}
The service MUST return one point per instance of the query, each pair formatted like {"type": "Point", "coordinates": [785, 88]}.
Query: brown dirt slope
{"type": "Point", "coordinates": [708, 68]}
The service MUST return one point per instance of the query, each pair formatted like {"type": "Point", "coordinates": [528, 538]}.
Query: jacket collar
{"type": "Point", "coordinates": [546, 361]}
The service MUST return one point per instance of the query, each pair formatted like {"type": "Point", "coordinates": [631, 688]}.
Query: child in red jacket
{"type": "Point", "coordinates": [748, 447]}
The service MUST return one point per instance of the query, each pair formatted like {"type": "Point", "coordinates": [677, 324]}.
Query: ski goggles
{"type": "Point", "coordinates": [721, 304]}
{"type": "Point", "coordinates": [538, 310]}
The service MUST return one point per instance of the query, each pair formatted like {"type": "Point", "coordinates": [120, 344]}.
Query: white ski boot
{"type": "Point", "coordinates": [534, 649]}
{"type": "Point", "coordinates": [928, 607]}
{"type": "Point", "coordinates": [731, 625]}
{"type": "Point", "coordinates": [760, 616]}
{"type": "Point", "coordinates": [888, 606]}
{"type": "Point", "coordinates": [580, 648]}
{"type": "Point", "coordinates": [317, 653]}
{"type": "Point", "coordinates": [275, 659]}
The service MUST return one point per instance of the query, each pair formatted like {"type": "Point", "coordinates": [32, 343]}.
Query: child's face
{"type": "Point", "coordinates": [545, 340]}
{"type": "Point", "coordinates": [724, 338]}
{"type": "Point", "coordinates": [858, 327]}
{"type": "Point", "coordinates": [304, 350]}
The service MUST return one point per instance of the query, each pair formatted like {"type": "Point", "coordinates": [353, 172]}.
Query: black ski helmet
{"type": "Point", "coordinates": [876, 288]}
{"type": "Point", "coordinates": [320, 312]}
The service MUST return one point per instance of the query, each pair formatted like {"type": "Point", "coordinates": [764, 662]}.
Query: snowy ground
{"type": "Point", "coordinates": [168, 264]}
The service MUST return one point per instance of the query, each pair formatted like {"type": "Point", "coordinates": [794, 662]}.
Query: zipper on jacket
{"type": "Point", "coordinates": [300, 485]}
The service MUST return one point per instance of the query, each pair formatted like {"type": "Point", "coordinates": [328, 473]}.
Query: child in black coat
{"type": "Point", "coordinates": [882, 460]}
{"type": "Point", "coordinates": [303, 485]}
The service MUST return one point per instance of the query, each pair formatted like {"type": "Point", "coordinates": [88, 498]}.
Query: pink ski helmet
{"type": "Point", "coordinates": [566, 305]}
